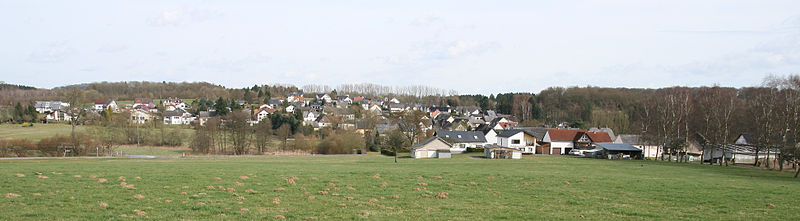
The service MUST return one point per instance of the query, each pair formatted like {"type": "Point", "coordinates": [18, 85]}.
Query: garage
{"type": "Point", "coordinates": [556, 151]}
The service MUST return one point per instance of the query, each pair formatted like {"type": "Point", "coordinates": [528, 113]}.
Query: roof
{"type": "Point", "coordinates": [609, 131]}
{"type": "Point", "coordinates": [564, 135]}
{"type": "Point", "coordinates": [633, 139]}
{"type": "Point", "coordinates": [512, 132]}
{"type": "Point", "coordinates": [206, 114]}
{"type": "Point", "coordinates": [99, 101]}
{"type": "Point", "coordinates": [462, 136]}
{"type": "Point", "coordinates": [599, 137]}
{"type": "Point", "coordinates": [618, 147]}
{"type": "Point", "coordinates": [428, 141]}
{"type": "Point", "coordinates": [143, 101]}
{"type": "Point", "coordinates": [537, 132]}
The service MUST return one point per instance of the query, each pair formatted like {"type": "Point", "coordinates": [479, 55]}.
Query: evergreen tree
{"type": "Point", "coordinates": [221, 106]}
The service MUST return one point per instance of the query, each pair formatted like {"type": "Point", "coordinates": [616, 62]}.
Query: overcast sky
{"type": "Point", "coordinates": [469, 46]}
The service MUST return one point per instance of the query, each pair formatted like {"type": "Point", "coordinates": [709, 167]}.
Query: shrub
{"type": "Point", "coordinates": [19, 147]}
{"type": "Point", "coordinates": [49, 146]}
{"type": "Point", "coordinates": [341, 143]}
{"type": "Point", "coordinates": [475, 149]}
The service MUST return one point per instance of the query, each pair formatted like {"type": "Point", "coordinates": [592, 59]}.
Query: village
{"type": "Point", "coordinates": [449, 130]}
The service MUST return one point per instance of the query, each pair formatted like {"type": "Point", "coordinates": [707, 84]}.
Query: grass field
{"type": "Point", "coordinates": [347, 187]}
{"type": "Point", "coordinates": [37, 132]}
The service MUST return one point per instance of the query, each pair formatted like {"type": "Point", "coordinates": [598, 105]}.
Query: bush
{"type": "Point", "coordinates": [390, 152]}
{"type": "Point", "coordinates": [19, 147]}
{"type": "Point", "coordinates": [474, 149]}
{"type": "Point", "coordinates": [49, 146]}
{"type": "Point", "coordinates": [341, 143]}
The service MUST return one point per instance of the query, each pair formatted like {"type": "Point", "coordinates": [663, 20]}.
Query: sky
{"type": "Point", "coordinates": [468, 46]}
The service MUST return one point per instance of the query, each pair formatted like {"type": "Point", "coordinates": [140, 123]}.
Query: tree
{"type": "Point", "coordinates": [396, 140]}
{"type": "Point", "coordinates": [284, 131]}
{"type": "Point", "coordinates": [263, 132]}
{"type": "Point", "coordinates": [411, 123]}
{"type": "Point", "coordinates": [221, 106]}
{"type": "Point", "coordinates": [77, 108]}
{"type": "Point", "coordinates": [240, 131]}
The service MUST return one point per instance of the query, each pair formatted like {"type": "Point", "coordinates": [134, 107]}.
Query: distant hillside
{"type": "Point", "coordinates": [6, 86]}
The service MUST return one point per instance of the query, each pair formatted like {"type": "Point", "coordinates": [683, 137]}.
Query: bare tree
{"type": "Point", "coordinates": [263, 133]}
{"type": "Point", "coordinates": [284, 132]}
{"type": "Point", "coordinates": [240, 131]}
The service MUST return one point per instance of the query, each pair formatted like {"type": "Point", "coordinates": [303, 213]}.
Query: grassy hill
{"type": "Point", "coordinates": [357, 187]}
{"type": "Point", "coordinates": [37, 132]}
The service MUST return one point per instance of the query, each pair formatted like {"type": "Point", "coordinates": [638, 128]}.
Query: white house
{"type": "Point", "coordinates": [344, 100]}
{"type": "Point", "coordinates": [491, 136]}
{"type": "Point", "coordinates": [324, 97]}
{"type": "Point", "coordinates": [517, 139]}
{"type": "Point", "coordinates": [178, 116]}
{"type": "Point", "coordinates": [50, 106]}
{"type": "Point", "coordinates": [100, 105]}
{"type": "Point", "coordinates": [263, 113]}
{"type": "Point", "coordinates": [433, 147]}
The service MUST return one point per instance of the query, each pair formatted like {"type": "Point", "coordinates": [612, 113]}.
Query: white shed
{"type": "Point", "coordinates": [433, 147]}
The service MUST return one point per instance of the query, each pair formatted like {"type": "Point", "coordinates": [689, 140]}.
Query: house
{"type": "Point", "coordinates": [500, 123]}
{"type": "Point", "coordinates": [344, 100]}
{"type": "Point", "coordinates": [295, 97]}
{"type": "Point", "coordinates": [518, 139]}
{"type": "Point", "coordinates": [490, 135]}
{"type": "Point", "coordinates": [274, 103]}
{"type": "Point", "coordinates": [461, 140]}
{"type": "Point", "coordinates": [559, 141]}
{"type": "Point", "coordinates": [616, 151]}
{"type": "Point", "coordinates": [100, 105]}
{"type": "Point", "coordinates": [396, 107]}
{"type": "Point", "coordinates": [323, 121]}
{"type": "Point", "coordinates": [310, 116]}
{"type": "Point", "coordinates": [263, 113]}
{"type": "Point", "coordinates": [290, 109]}
{"type": "Point", "coordinates": [140, 116]}
{"type": "Point", "coordinates": [50, 106]}
{"type": "Point", "coordinates": [393, 100]}
{"type": "Point", "coordinates": [203, 116]}
{"type": "Point", "coordinates": [434, 147]}
{"type": "Point", "coordinates": [323, 97]}
{"type": "Point", "coordinates": [174, 103]}
{"type": "Point", "coordinates": [498, 152]}
{"type": "Point", "coordinates": [177, 117]}
{"type": "Point", "coordinates": [648, 150]}
{"type": "Point", "coordinates": [146, 103]}
{"type": "Point", "coordinates": [587, 139]}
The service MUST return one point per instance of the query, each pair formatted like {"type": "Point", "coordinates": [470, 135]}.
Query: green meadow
{"type": "Point", "coordinates": [373, 187]}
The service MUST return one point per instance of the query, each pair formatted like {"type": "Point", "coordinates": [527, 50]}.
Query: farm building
{"type": "Point", "coordinates": [434, 147]}
{"type": "Point", "coordinates": [617, 151]}
{"type": "Point", "coordinates": [498, 152]}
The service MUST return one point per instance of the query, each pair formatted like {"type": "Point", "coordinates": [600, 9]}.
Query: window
{"type": "Point", "coordinates": [515, 141]}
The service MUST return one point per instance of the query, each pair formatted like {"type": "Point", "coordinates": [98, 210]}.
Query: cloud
{"type": "Point", "coordinates": [427, 20]}
{"type": "Point", "coordinates": [112, 48]}
{"type": "Point", "coordinates": [184, 16]}
{"type": "Point", "coordinates": [57, 52]}
{"type": "Point", "coordinates": [233, 65]}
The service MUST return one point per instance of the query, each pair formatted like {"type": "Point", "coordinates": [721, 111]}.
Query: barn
{"type": "Point", "coordinates": [433, 147]}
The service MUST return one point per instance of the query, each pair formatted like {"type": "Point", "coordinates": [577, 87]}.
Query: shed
{"type": "Point", "coordinates": [498, 152]}
{"type": "Point", "coordinates": [433, 147]}
{"type": "Point", "coordinates": [618, 151]}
